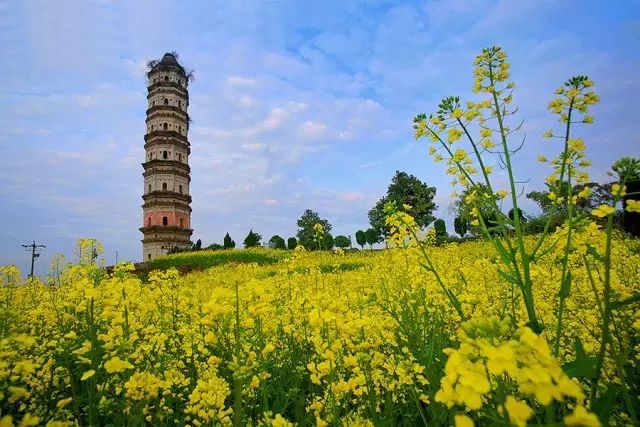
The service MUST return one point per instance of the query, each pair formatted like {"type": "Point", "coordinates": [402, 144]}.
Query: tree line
{"type": "Point", "coordinates": [415, 197]}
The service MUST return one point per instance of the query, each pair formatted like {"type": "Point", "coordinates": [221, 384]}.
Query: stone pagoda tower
{"type": "Point", "coordinates": [166, 208]}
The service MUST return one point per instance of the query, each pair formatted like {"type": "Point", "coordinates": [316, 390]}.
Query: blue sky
{"type": "Point", "coordinates": [295, 105]}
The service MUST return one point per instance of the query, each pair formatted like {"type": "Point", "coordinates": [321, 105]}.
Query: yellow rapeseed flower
{"type": "Point", "coordinates": [581, 418]}
{"type": "Point", "coordinates": [519, 412]}
{"type": "Point", "coordinates": [603, 211]}
{"type": "Point", "coordinates": [462, 421]}
{"type": "Point", "coordinates": [115, 365]}
{"type": "Point", "coordinates": [633, 206]}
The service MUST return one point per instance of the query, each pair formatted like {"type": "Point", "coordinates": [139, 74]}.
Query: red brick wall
{"type": "Point", "coordinates": [173, 218]}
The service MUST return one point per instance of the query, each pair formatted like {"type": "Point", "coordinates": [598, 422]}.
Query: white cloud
{"type": "Point", "coordinates": [241, 81]}
{"type": "Point", "coordinates": [310, 129]}
{"type": "Point", "coordinates": [352, 196]}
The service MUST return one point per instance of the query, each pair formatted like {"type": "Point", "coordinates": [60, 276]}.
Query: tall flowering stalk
{"type": "Point", "coordinates": [471, 165]}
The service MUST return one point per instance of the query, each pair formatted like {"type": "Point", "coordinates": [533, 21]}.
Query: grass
{"type": "Point", "coordinates": [201, 260]}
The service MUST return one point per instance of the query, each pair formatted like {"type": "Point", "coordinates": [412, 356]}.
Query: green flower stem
{"type": "Point", "coordinates": [526, 279]}
{"type": "Point", "coordinates": [478, 156]}
{"type": "Point", "coordinates": [563, 166]}
{"type": "Point", "coordinates": [606, 299]}
{"type": "Point", "coordinates": [565, 262]}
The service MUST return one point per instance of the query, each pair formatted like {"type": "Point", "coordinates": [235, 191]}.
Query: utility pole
{"type": "Point", "coordinates": [33, 248]}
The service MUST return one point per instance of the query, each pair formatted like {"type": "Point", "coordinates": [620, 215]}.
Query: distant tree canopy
{"type": "Point", "coordinates": [599, 194]}
{"type": "Point", "coordinates": [215, 247]}
{"type": "Point", "coordinates": [252, 240]}
{"type": "Point", "coordinates": [292, 242]}
{"type": "Point", "coordinates": [198, 245]}
{"type": "Point", "coordinates": [277, 242]}
{"type": "Point", "coordinates": [373, 236]}
{"type": "Point", "coordinates": [307, 234]}
{"type": "Point", "coordinates": [440, 227]}
{"type": "Point", "coordinates": [341, 241]}
{"type": "Point", "coordinates": [628, 171]}
{"type": "Point", "coordinates": [461, 226]}
{"type": "Point", "coordinates": [361, 238]}
{"type": "Point", "coordinates": [405, 189]}
{"type": "Point", "coordinates": [512, 215]}
{"type": "Point", "coordinates": [228, 242]}
{"type": "Point", "coordinates": [484, 202]}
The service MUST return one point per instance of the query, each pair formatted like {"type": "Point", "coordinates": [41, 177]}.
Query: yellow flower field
{"type": "Point", "coordinates": [356, 338]}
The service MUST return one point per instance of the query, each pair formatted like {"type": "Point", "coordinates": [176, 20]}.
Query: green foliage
{"type": "Point", "coordinates": [512, 214]}
{"type": "Point", "coordinates": [373, 236]}
{"type": "Point", "coordinates": [292, 242]}
{"type": "Point", "coordinates": [327, 242]}
{"type": "Point", "coordinates": [277, 242]}
{"type": "Point", "coordinates": [228, 242]}
{"type": "Point", "coordinates": [198, 245]}
{"type": "Point", "coordinates": [599, 194]}
{"type": "Point", "coordinates": [306, 233]}
{"type": "Point", "coordinates": [440, 227]}
{"type": "Point", "coordinates": [215, 247]}
{"type": "Point", "coordinates": [408, 190]}
{"type": "Point", "coordinates": [361, 238]}
{"type": "Point", "coordinates": [461, 226]}
{"type": "Point", "coordinates": [628, 169]}
{"type": "Point", "coordinates": [342, 241]}
{"type": "Point", "coordinates": [484, 201]}
{"type": "Point", "coordinates": [252, 240]}
{"type": "Point", "coordinates": [210, 258]}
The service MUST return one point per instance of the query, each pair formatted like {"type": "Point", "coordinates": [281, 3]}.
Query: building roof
{"type": "Point", "coordinates": [169, 62]}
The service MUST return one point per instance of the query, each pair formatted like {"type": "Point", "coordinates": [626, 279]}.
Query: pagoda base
{"type": "Point", "coordinates": [159, 241]}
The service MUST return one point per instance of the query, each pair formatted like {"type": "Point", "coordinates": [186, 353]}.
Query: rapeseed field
{"type": "Point", "coordinates": [310, 341]}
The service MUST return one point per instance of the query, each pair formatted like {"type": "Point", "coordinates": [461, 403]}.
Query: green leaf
{"type": "Point", "coordinates": [604, 405]}
{"type": "Point", "coordinates": [504, 255]}
{"type": "Point", "coordinates": [565, 289]}
{"type": "Point", "coordinates": [455, 302]}
{"type": "Point", "coordinates": [582, 367]}
{"type": "Point", "coordinates": [620, 304]}
{"type": "Point", "coordinates": [580, 354]}
{"type": "Point", "coordinates": [594, 253]}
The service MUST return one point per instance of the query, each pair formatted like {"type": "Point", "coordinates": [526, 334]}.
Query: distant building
{"type": "Point", "coordinates": [167, 199]}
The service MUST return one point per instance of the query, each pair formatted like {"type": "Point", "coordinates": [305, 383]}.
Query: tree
{"type": "Point", "coordinates": [215, 247]}
{"type": "Point", "coordinates": [277, 242]}
{"type": "Point", "coordinates": [327, 242]}
{"type": "Point", "coordinates": [484, 201]}
{"type": "Point", "coordinates": [198, 245]}
{"type": "Point", "coordinates": [408, 190]}
{"type": "Point", "coordinates": [628, 171]}
{"type": "Point", "coordinates": [252, 240]}
{"type": "Point", "coordinates": [599, 194]}
{"type": "Point", "coordinates": [306, 232]}
{"type": "Point", "coordinates": [228, 242]}
{"type": "Point", "coordinates": [292, 242]}
{"type": "Point", "coordinates": [342, 241]}
{"type": "Point", "coordinates": [440, 227]}
{"type": "Point", "coordinates": [512, 215]}
{"type": "Point", "coordinates": [361, 238]}
{"type": "Point", "coordinates": [373, 236]}
{"type": "Point", "coordinates": [461, 226]}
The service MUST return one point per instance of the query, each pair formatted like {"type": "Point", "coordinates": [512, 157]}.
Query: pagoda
{"type": "Point", "coordinates": [167, 200]}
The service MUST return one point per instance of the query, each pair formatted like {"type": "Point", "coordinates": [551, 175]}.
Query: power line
{"type": "Point", "coordinates": [34, 254]}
